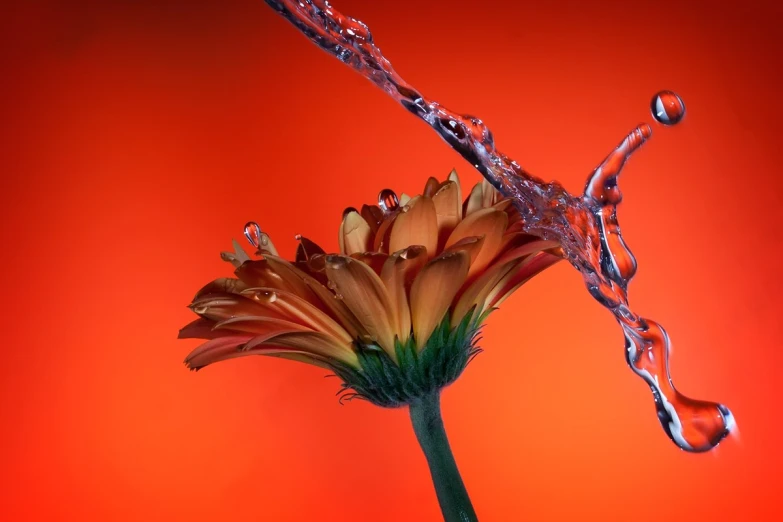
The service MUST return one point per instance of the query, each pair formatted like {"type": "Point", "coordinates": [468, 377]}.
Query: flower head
{"type": "Point", "coordinates": [395, 313]}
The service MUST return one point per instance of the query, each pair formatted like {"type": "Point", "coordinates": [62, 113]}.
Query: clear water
{"type": "Point", "coordinates": [585, 225]}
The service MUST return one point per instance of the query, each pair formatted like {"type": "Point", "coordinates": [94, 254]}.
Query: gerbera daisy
{"type": "Point", "coordinates": [394, 314]}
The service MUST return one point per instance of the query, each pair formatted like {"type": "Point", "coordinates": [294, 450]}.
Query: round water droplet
{"type": "Point", "coordinates": [667, 108]}
{"type": "Point", "coordinates": [348, 210]}
{"type": "Point", "coordinates": [298, 237]}
{"type": "Point", "coordinates": [388, 201]}
{"type": "Point", "coordinates": [253, 233]}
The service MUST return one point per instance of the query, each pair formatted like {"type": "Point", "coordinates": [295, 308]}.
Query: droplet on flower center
{"type": "Point", "coordinates": [388, 201]}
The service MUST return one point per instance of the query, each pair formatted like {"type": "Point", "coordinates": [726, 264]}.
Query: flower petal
{"type": "Point", "coordinates": [280, 302]}
{"type": "Point", "coordinates": [489, 194]}
{"type": "Point", "coordinates": [355, 234]}
{"type": "Point", "coordinates": [319, 344]}
{"type": "Point", "coordinates": [397, 275]}
{"type": "Point", "coordinates": [258, 325]}
{"type": "Point", "coordinates": [219, 306]}
{"type": "Point", "coordinates": [307, 249]}
{"type": "Point", "coordinates": [202, 329]}
{"type": "Point", "coordinates": [522, 272]}
{"type": "Point", "coordinates": [404, 199]}
{"type": "Point", "coordinates": [433, 291]}
{"type": "Point", "coordinates": [210, 352]}
{"type": "Point", "coordinates": [431, 187]}
{"type": "Point", "coordinates": [489, 223]}
{"type": "Point", "coordinates": [364, 294]}
{"type": "Point", "coordinates": [474, 296]}
{"type": "Point", "coordinates": [448, 209]}
{"type": "Point", "coordinates": [222, 285]}
{"type": "Point", "coordinates": [374, 260]}
{"type": "Point", "coordinates": [473, 201]}
{"type": "Point", "coordinates": [237, 257]}
{"type": "Point", "coordinates": [416, 224]}
{"type": "Point", "coordinates": [383, 236]}
{"type": "Point", "coordinates": [373, 215]}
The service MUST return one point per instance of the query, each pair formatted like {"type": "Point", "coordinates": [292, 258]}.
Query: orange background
{"type": "Point", "coordinates": [141, 136]}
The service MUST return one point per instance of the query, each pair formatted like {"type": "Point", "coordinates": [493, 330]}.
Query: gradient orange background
{"type": "Point", "coordinates": [141, 136]}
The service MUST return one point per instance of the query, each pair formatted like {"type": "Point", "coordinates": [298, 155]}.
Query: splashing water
{"type": "Point", "coordinates": [586, 225]}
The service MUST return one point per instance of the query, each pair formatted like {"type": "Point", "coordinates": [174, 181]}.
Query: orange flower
{"type": "Point", "coordinates": [395, 313]}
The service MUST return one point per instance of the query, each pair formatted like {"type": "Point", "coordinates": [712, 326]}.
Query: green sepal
{"type": "Point", "coordinates": [417, 372]}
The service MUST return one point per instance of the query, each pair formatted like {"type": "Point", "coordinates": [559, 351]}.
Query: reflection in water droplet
{"type": "Point", "coordinates": [388, 201]}
{"type": "Point", "coordinates": [667, 108]}
{"type": "Point", "coordinates": [253, 234]}
{"type": "Point", "coordinates": [348, 210]}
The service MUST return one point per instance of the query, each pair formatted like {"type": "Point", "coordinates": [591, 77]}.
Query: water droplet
{"type": "Point", "coordinates": [298, 237]}
{"type": "Point", "coordinates": [253, 234]}
{"type": "Point", "coordinates": [388, 201]}
{"type": "Point", "coordinates": [348, 210]}
{"type": "Point", "coordinates": [667, 108]}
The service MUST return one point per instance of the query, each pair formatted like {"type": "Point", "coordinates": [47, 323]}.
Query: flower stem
{"type": "Point", "coordinates": [428, 425]}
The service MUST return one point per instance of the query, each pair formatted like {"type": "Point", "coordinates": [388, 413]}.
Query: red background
{"type": "Point", "coordinates": [139, 138]}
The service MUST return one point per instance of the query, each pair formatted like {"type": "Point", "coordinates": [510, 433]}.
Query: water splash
{"type": "Point", "coordinates": [585, 225]}
{"type": "Point", "coordinates": [667, 108]}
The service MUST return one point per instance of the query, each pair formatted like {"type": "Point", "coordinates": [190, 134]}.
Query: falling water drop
{"type": "Point", "coordinates": [667, 108]}
{"type": "Point", "coordinates": [253, 234]}
{"type": "Point", "coordinates": [388, 201]}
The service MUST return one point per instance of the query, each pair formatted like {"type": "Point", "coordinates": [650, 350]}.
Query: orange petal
{"type": "Point", "coordinates": [472, 245]}
{"type": "Point", "coordinates": [337, 309]}
{"type": "Point", "coordinates": [430, 187]}
{"type": "Point", "coordinates": [363, 293]}
{"type": "Point", "coordinates": [489, 195]}
{"type": "Point", "coordinates": [374, 260]}
{"type": "Point", "coordinates": [474, 201]}
{"type": "Point", "coordinates": [222, 285]}
{"type": "Point", "coordinates": [522, 272]}
{"type": "Point", "coordinates": [211, 351]}
{"type": "Point", "coordinates": [277, 273]}
{"type": "Point", "coordinates": [355, 234]}
{"type": "Point", "coordinates": [219, 306]}
{"type": "Point", "coordinates": [433, 291]}
{"type": "Point", "coordinates": [474, 296]}
{"type": "Point", "coordinates": [237, 257]}
{"type": "Point", "coordinates": [307, 249]}
{"type": "Point", "coordinates": [489, 223]}
{"type": "Point", "coordinates": [448, 209]}
{"type": "Point", "coordinates": [526, 249]}
{"type": "Point", "coordinates": [397, 275]}
{"type": "Point", "coordinates": [416, 224]}
{"type": "Point", "coordinates": [404, 199]}
{"type": "Point", "coordinates": [373, 215]}
{"type": "Point", "coordinates": [383, 236]}
{"type": "Point", "coordinates": [258, 325]}
{"type": "Point", "coordinates": [453, 176]}
{"type": "Point", "coordinates": [318, 344]}
{"type": "Point", "coordinates": [298, 310]}
{"type": "Point", "coordinates": [203, 329]}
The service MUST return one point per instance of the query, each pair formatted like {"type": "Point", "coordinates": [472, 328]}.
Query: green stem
{"type": "Point", "coordinates": [428, 425]}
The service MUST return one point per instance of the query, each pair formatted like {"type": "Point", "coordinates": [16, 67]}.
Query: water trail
{"type": "Point", "coordinates": [585, 225]}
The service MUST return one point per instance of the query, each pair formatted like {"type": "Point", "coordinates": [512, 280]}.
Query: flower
{"type": "Point", "coordinates": [395, 313]}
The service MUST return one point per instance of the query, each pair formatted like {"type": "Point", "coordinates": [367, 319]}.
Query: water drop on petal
{"type": "Point", "coordinates": [253, 233]}
{"type": "Point", "coordinates": [388, 201]}
{"type": "Point", "coordinates": [667, 108]}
